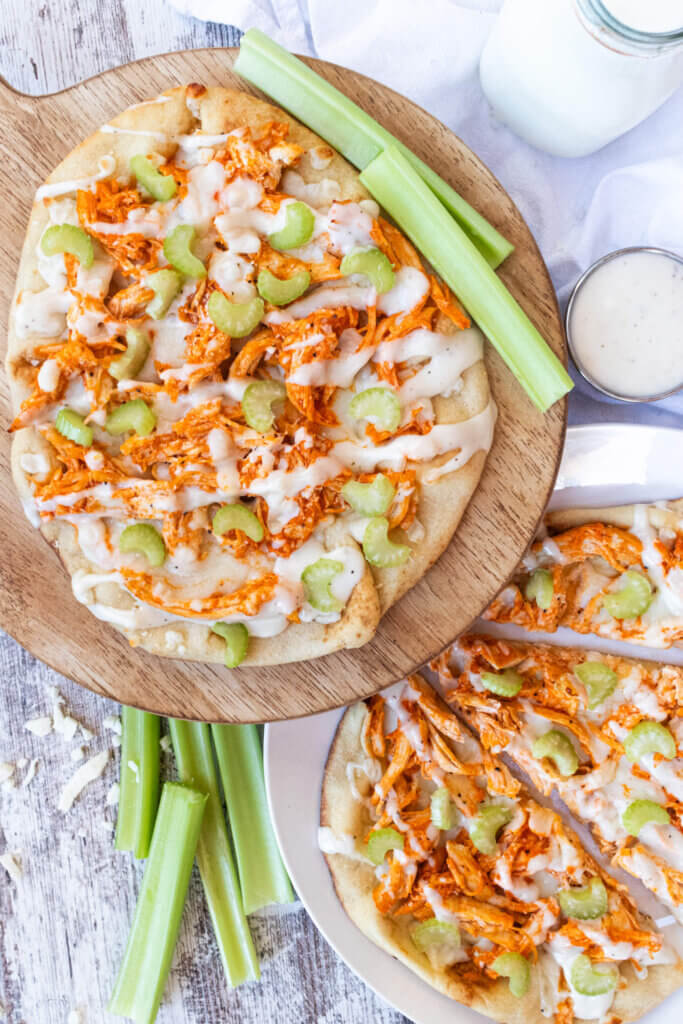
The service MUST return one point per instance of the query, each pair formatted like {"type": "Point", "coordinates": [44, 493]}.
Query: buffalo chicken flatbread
{"type": "Point", "coordinates": [604, 732]}
{"type": "Point", "coordinates": [616, 572]}
{"type": "Point", "coordinates": [245, 410]}
{"type": "Point", "coordinates": [443, 858]}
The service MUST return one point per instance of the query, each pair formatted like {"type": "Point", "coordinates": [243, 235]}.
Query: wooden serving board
{"type": "Point", "coordinates": [36, 604]}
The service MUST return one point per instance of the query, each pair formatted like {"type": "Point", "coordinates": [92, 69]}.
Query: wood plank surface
{"type": "Point", "coordinates": [494, 531]}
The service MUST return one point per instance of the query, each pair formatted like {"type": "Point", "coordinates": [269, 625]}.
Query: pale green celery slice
{"type": "Point", "coordinates": [559, 749]}
{"type": "Point", "coordinates": [70, 424]}
{"type": "Point", "coordinates": [129, 363]}
{"type": "Point", "coordinates": [599, 680]}
{"type": "Point", "coordinates": [504, 684]}
{"type": "Point", "coordinates": [194, 757]}
{"type": "Point", "coordinates": [592, 979]}
{"type": "Point", "coordinates": [443, 811]}
{"type": "Point", "coordinates": [143, 539]}
{"type": "Point", "coordinates": [160, 186]}
{"type": "Point", "coordinates": [279, 291]}
{"type": "Point", "coordinates": [434, 938]}
{"type": "Point", "coordinates": [381, 841]}
{"type": "Point", "coordinates": [262, 874]}
{"type": "Point", "coordinates": [516, 969]}
{"type": "Point", "coordinates": [69, 238]}
{"type": "Point", "coordinates": [236, 636]}
{"type": "Point", "coordinates": [165, 284]}
{"type": "Point", "coordinates": [640, 813]}
{"type": "Point", "coordinates": [258, 401]}
{"type": "Point", "coordinates": [378, 549]}
{"type": "Point", "coordinates": [317, 579]}
{"type": "Point", "coordinates": [540, 588]}
{"type": "Point", "coordinates": [349, 129]}
{"type": "Point", "coordinates": [236, 319]}
{"type": "Point", "coordinates": [147, 959]}
{"type": "Point", "coordinates": [371, 499]}
{"type": "Point", "coordinates": [298, 229]}
{"type": "Point", "coordinates": [486, 825]}
{"type": "Point", "coordinates": [649, 738]}
{"type": "Point", "coordinates": [633, 598]}
{"type": "Point", "coordinates": [237, 517]}
{"type": "Point", "coordinates": [399, 189]}
{"type": "Point", "coordinates": [378, 404]}
{"type": "Point", "coordinates": [135, 415]}
{"type": "Point", "coordinates": [586, 902]}
{"type": "Point", "coordinates": [178, 251]}
{"type": "Point", "coordinates": [139, 786]}
{"type": "Point", "coordinates": [373, 264]}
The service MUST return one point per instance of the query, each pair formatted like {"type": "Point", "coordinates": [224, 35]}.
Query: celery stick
{"type": "Point", "coordinates": [347, 127]}
{"type": "Point", "coordinates": [142, 976]}
{"type": "Point", "coordinates": [196, 767]}
{"type": "Point", "coordinates": [401, 191]}
{"type": "Point", "coordinates": [240, 760]}
{"type": "Point", "coordinates": [139, 794]}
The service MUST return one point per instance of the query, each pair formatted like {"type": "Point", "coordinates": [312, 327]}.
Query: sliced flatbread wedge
{"type": "Point", "coordinates": [445, 861]}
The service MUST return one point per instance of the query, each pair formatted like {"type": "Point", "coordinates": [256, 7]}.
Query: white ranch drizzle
{"type": "Point", "coordinates": [106, 165]}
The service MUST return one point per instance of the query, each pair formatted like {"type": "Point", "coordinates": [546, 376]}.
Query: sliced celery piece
{"type": "Point", "coordinates": [377, 547]}
{"type": "Point", "coordinates": [194, 757]}
{"type": "Point", "coordinates": [165, 284]}
{"type": "Point", "coordinates": [236, 636]}
{"type": "Point", "coordinates": [298, 229]}
{"type": "Point", "coordinates": [317, 579]}
{"type": "Point", "coordinates": [139, 795]}
{"type": "Point", "coordinates": [649, 738]}
{"type": "Point", "coordinates": [504, 684]}
{"type": "Point", "coordinates": [372, 499]}
{"type": "Point", "coordinates": [586, 902]}
{"type": "Point", "coordinates": [540, 588]}
{"type": "Point", "coordinates": [258, 401]}
{"type": "Point", "coordinates": [178, 251]}
{"type": "Point", "coordinates": [599, 680]}
{"type": "Point", "coordinates": [129, 363]}
{"type": "Point", "coordinates": [237, 517]}
{"type": "Point", "coordinates": [69, 238]}
{"type": "Point", "coordinates": [381, 841]}
{"type": "Point", "coordinates": [279, 292]}
{"type": "Point", "coordinates": [380, 405]}
{"type": "Point", "coordinates": [438, 940]}
{"type": "Point", "coordinates": [559, 749]}
{"type": "Point", "coordinates": [349, 129]}
{"type": "Point", "coordinates": [516, 969]}
{"type": "Point", "coordinates": [633, 598]}
{"type": "Point", "coordinates": [133, 416]}
{"type": "Point", "coordinates": [442, 809]}
{"type": "Point", "coordinates": [373, 264]}
{"type": "Point", "coordinates": [143, 539]}
{"type": "Point", "coordinates": [487, 824]}
{"type": "Point", "coordinates": [397, 187]}
{"type": "Point", "coordinates": [147, 959]}
{"type": "Point", "coordinates": [160, 186]}
{"type": "Point", "coordinates": [70, 424]}
{"type": "Point", "coordinates": [640, 813]}
{"type": "Point", "coordinates": [240, 762]}
{"type": "Point", "coordinates": [236, 319]}
{"type": "Point", "coordinates": [592, 979]}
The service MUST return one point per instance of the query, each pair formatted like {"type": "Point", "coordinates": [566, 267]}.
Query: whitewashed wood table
{"type": "Point", "coordinates": [64, 919]}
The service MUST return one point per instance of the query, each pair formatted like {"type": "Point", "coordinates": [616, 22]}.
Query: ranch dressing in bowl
{"type": "Point", "coordinates": [625, 324]}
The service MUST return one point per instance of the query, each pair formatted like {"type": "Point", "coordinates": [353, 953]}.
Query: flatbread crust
{"type": "Point", "coordinates": [668, 514]}
{"type": "Point", "coordinates": [354, 881]}
{"type": "Point", "coordinates": [442, 503]}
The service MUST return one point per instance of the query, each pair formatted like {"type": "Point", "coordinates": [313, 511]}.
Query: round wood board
{"type": "Point", "coordinates": [36, 603]}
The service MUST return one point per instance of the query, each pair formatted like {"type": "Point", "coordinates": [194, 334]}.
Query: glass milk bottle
{"type": "Point", "coordinates": [569, 76]}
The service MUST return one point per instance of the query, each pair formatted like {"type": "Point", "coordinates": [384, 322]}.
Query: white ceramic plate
{"type": "Point", "coordinates": [602, 464]}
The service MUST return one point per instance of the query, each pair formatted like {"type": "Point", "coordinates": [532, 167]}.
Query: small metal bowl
{"type": "Point", "coordinates": [567, 323]}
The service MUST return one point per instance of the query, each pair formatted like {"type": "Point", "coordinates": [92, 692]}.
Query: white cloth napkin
{"type": "Point", "coordinates": [629, 193]}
